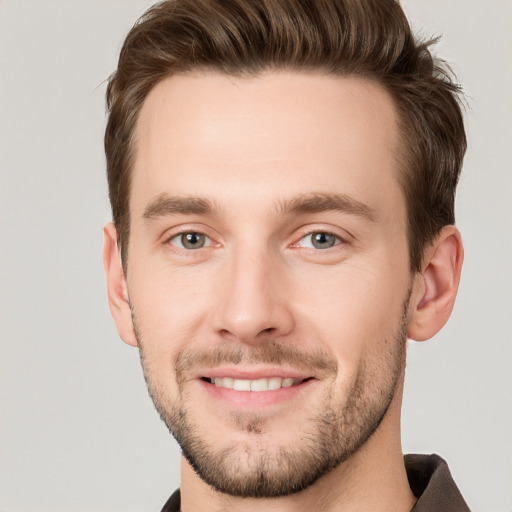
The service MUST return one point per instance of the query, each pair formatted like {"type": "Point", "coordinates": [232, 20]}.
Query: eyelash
{"type": "Point", "coordinates": [338, 240]}
{"type": "Point", "coordinates": [189, 232]}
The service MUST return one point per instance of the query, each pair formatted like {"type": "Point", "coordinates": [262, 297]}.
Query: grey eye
{"type": "Point", "coordinates": [320, 240]}
{"type": "Point", "coordinates": [190, 240]}
{"type": "Point", "coordinates": [323, 240]}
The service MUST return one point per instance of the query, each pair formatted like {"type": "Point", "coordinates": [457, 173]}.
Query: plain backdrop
{"type": "Point", "coordinates": [77, 429]}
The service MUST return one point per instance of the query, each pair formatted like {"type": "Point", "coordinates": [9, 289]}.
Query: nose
{"type": "Point", "coordinates": [254, 304]}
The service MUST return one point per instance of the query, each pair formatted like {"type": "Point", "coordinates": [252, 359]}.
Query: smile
{"type": "Point", "coordinates": [266, 384]}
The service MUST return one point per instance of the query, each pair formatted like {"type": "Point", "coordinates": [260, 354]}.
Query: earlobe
{"type": "Point", "coordinates": [435, 287]}
{"type": "Point", "coordinates": [116, 286]}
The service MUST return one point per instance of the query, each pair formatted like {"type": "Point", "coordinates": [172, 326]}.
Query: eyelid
{"type": "Point", "coordinates": [311, 245]}
{"type": "Point", "coordinates": [178, 231]}
{"type": "Point", "coordinates": [178, 236]}
{"type": "Point", "coordinates": [342, 235]}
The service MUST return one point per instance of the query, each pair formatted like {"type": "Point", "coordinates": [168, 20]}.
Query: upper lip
{"type": "Point", "coordinates": [256, 373]}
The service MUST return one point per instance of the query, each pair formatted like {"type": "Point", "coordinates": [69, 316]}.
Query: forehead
{"type": "Point", "coordinates": [262, 138]}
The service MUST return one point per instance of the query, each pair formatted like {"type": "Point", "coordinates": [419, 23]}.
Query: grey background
{"type": "Point", "coordinates": [77, 430]}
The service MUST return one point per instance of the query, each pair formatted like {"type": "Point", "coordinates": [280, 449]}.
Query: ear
{"type": "Point", "coordinates": [435, 287]}
{"type": "Point", "coordinates": [116, 286]}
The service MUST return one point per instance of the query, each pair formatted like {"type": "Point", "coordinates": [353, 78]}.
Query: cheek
{"type": "Point", "coordinates": [169, 308]}
{"type": "Point", "coordinates": [353, 312]}
{"type": "Point", "coordinates": [166, 313]}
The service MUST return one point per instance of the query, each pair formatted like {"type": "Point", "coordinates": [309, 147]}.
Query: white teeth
{"type": "Point", "coordinates": [255, 385]}
{"type": "Point", "coordinates": [287, 383]}
{"type": "Point", "coordinates": [228, 382]}
{"type": "Point", "coordinates": [242, 385]}
{"type": "Point", "coordinates": [274, 383]}
{"type": "Point", "coordinates": [225, 382]}
{"type": "Point", "coordinates": [259, 385]}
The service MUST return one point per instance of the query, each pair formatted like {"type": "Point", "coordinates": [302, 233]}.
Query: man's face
{"type": "Point", "coordinates": [268, 271]}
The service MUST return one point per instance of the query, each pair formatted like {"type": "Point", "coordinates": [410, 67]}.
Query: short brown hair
{"type": "Point", "coordinates": [366, 38]}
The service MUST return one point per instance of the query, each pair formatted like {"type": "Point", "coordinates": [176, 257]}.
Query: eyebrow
{"type": "Point", "coordinates": [324, 202]}
{"type": "Point", "coordinates": [164, 205]}
{"type": "Point", "coordinates": [168, 205]}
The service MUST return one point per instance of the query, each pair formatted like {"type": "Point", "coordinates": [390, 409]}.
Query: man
{"type": "Point", "coordinates": [282, 178]}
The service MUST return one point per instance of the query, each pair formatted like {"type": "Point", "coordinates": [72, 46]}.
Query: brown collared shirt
{"type": "Point", "coordinates": [430, 481]}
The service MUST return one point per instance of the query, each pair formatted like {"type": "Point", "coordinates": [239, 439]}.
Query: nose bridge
{"type": "Point", "coordinates": [253, 299]}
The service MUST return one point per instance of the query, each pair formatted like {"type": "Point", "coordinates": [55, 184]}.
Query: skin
{"type": "Point", "coordinates": [251, 149]}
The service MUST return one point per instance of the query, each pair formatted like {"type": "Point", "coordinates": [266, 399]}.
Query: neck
{"type": "Point", "coordinates": [374, 479]}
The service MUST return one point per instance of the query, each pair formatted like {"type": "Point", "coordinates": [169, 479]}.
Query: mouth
{"type": "Point", "coordinates": [256, 385]}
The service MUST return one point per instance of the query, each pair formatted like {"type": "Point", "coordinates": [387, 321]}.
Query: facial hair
{"type": "Point", "coordinates": [341, 427]}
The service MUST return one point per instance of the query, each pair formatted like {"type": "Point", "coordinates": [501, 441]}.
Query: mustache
{"type": "Point", "coordinates": [318, 362]}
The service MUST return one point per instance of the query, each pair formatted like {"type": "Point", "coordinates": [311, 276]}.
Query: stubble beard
{"type": "Point", "coordinates": [250, 469]}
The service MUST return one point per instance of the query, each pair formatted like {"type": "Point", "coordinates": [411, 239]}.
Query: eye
{"type": "Point", "coordinates": [190, 240]}
{"type": "Point", "coordinates": [319, 240]}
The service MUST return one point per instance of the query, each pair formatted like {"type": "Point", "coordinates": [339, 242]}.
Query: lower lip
{"type": "Point", "coordinates": [256, 398]}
